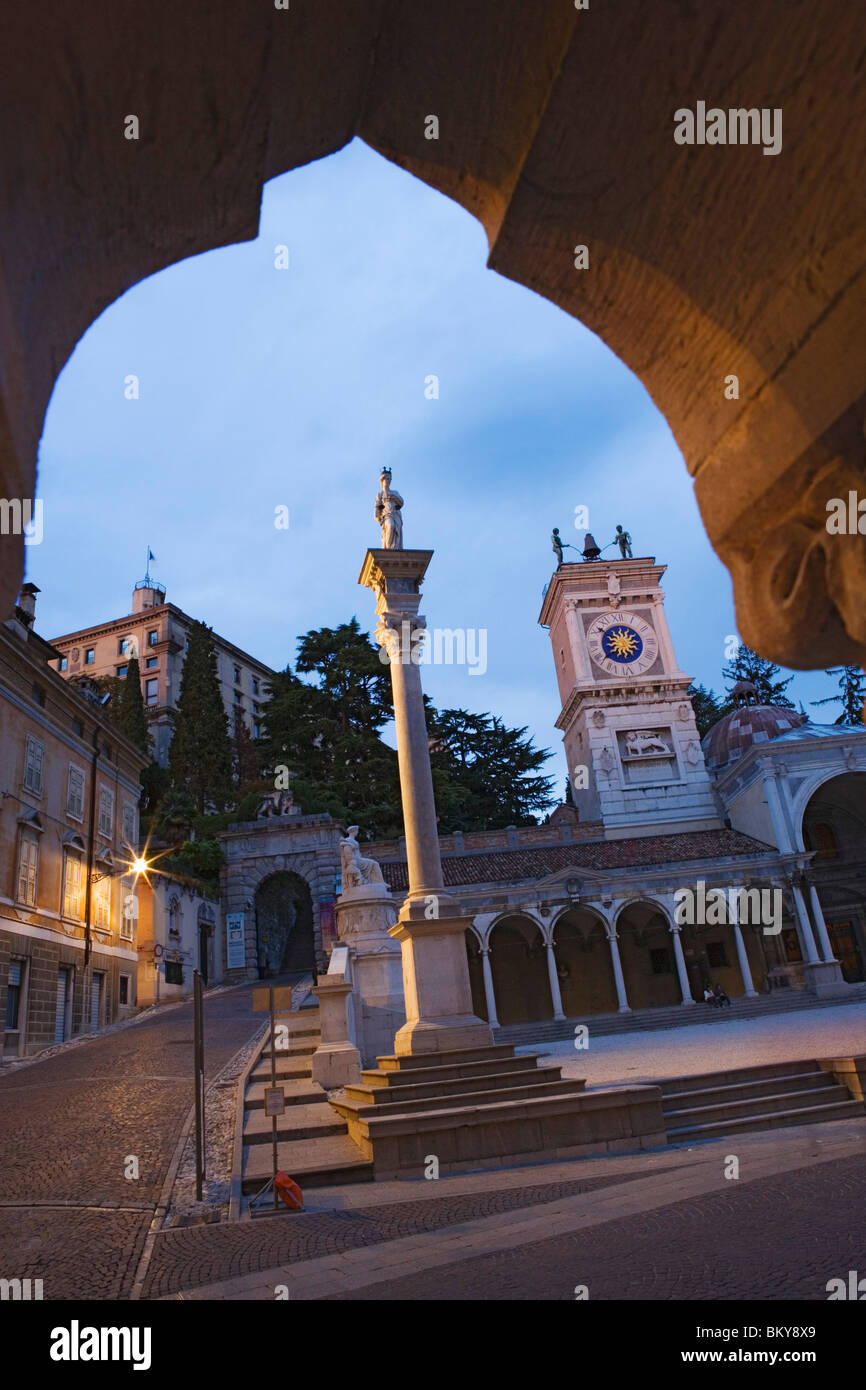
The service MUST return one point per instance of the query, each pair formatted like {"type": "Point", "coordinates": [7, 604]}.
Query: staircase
{"type": "Point", "coordinates": [752, 1098]}
{"type": "Point", "coordinates": [313, 1145]}
{"type": "Point", "coordinates": [480, 1076]}
{"type": "Point", "coordinates": [675, 1016]}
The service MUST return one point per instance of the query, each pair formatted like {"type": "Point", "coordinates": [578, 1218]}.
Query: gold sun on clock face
{"type": "Point", "coordinates": [622, 644]}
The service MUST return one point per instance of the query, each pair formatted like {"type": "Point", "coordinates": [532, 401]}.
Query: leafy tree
{"type": "Point", "coordinates": [200, 754]}
{"type": "Point", "coordinates": [852, 684]}
{"type": "Point", "coordinates": [203, 858]}
{"type": "Point", "coordinates": [707, 707]}
{"type": "Point", "coordinates": [487, 776]}
{"type": "Point", "coordinates": [748, 666]}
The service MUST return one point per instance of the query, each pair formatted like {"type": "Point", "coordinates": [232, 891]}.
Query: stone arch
{"type": "Point", "coordinates": [583, 963]}
{"type": "Point", "coordinates": [647, 953]}
{"type": "Point", "coordinates": [518, 960]}
{"type": "Point", "coordinates": [680, 285]}
{"type": "Point", "coordinates": [809, 789]}
{"type": "Point", "coordinates": [474, 948]}
{"type": "Point", "coordinates": [285, 940]}
{"type": "Point", "coordinates": [837, 806]}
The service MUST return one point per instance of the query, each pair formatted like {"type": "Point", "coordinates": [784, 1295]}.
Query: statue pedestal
{"type": "Point", "coordinates": [336, 1061]}
{"type": "Point", "coordinates": [364, 918]}
{"type": "Point", "coordinates": [439, 1014]}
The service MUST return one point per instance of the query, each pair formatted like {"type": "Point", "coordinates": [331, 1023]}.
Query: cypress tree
{"type": "Point", "coordinates": [200, 755]}
{"type": "Point", "coordinates": [130, 716]}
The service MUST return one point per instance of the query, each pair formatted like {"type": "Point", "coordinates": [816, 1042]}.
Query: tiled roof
{"type": "Point", "coordinates": [734, 735]}
{"type": "Point", "coordinates": [518, 864]}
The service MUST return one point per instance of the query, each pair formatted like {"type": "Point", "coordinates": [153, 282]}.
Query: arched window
{"type": "Point", "coordinates": [174, 915]}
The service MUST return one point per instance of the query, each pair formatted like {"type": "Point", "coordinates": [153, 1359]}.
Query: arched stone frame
{"type": "Point", "coordinates": [610, 989]}
{"type": "Point", "coordinates": [536, 1001]}
{"type": "Point", "coordinates": [816, 885]}
{"type": "Point", "coordinates": [647, 987]}
{"type": "Point", "coordinates": [683, 310]}
{"type": "Point", "coordinates": [476, 954]}
{"type": "Point", "coordinates": [243, 878]}
{"type": "Point", "coordinates": [813, 783]}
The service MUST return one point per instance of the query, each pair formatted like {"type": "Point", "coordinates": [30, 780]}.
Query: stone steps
{"type": "Point", "coordinates": [387, 1095]}
{"type": "Point", "coordinates": [298, 1122]}
{"type": "Point", "coordinates": [436, 1074]}
{"type": "Point", "coordinates": [738, 1076]}
{"type": "Point", "coordinates": [321, 1162]}
{"type": "Point", "coordinates": [771, 1096]}
{"type": "Point", "coordinates": [303, 1092]}
{"type": "Point", "coordinates": [313, 1144]}
{"type": "Point", "coordinates": [476, 1100]}
{"type": "Point", "coordinates": [811, 1115]}
{"type": "Point", "coordinates": [674, 1016]}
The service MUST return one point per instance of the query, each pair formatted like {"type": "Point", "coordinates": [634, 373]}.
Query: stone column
{"type": "Point", "coordinates": [820, 924]}
{"type": "Point", "coordinates": [555, 993]}
{"type": "Point", "coordinates": [774, 804]}
{"type": "Point", "coordinates": [618, 977]}
{"type": "Point", "coordinates": [682, 972]}
{"type": "Point", "coordinates": [430, 927]}
{"type": "Point", "coordinates": [805, 926]}
{"type": "Point", "coordinates": [742, 956]}
{"type": "Point", "coordinates": [488, 987]}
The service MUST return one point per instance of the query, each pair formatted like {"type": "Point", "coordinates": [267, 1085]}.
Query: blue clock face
{"type": "Point", "coordinates": [621, 643]}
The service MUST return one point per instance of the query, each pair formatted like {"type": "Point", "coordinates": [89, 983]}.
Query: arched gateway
{"type": "Point", "coordinates": [279, 888]}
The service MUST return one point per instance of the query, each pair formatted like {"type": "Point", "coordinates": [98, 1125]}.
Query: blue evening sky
{"type": "Point", "coordinates": [262, 387]}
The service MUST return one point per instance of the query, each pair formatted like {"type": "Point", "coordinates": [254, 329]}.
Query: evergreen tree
{"type": "Point", "coordinates": [707, 707]}
{"type": "Point", "coordinates": [569, 794]}
{"type": "Point", "coordinates": [200, 755]}
{"type": "Point", "coordinates": [748, 666]}
{"type": "Point", "coordinates": [129, 714]}
{"type": "Point", "coordinates": [852, 684]}
{"type": "Point", "coordinates": [487, 776]}
{"type": "Point", "coordinates": [327, 733]}
{"type": "Point", "coordinates": [245, 754]}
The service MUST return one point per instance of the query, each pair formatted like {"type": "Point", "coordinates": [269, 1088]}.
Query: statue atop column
{"type": "Point", "coordinates": [388, 513]}
{"type": "Point", "coordinates": [623, 540]}
{"type": "Point", "coordinates": [354, 868]}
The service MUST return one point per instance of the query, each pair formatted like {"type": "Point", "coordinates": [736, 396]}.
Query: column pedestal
{"type": "Point", "coordinates": [436, 987]}
{"type": "Point", "coordinates": [365, 916]}
{"type": "Point", "coordinates": [336, 1061]}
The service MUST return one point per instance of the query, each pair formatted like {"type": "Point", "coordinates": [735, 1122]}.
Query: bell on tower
{"type": "Point", "coordinates": [590, 550]}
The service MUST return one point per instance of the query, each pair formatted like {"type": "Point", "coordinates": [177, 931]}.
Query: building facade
{"type": "Point", "coordinates": [179, 932]}
{"type": "Point", "coordinates": [739, 863]}
{"type": "Point", "coordinates": [157, 633]}
{"type": "Point", "coordinates": [68, 833]}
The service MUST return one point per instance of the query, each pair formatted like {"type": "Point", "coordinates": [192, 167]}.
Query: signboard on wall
{"type": "Point", "coordinates": [235, 941]}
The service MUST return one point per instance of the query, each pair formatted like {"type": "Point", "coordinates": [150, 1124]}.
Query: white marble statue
{"type": "Point", "coordinates": [388, 513]}
{"type": "Point", "coordinates": [355, 869]}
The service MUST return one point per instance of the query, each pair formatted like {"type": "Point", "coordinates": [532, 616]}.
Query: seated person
{"type": "Point", "coordinates": [721, 998]}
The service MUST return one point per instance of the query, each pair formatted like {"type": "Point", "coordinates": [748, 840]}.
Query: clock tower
{"type": "Point", "coordinates": [634, 756]}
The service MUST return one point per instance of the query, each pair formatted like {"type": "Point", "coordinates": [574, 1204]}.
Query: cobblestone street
{"type": "Point", "coordinates": [68, 1215]}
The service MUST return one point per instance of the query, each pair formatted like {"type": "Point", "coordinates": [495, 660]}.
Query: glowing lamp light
{"type": "Point", "coordinates": [139, 865]}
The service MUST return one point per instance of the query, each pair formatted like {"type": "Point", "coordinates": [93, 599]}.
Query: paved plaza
{"type": "Point", "coordinates": [667, 1224]}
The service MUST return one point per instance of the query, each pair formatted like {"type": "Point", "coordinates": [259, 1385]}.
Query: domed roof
{"type": "Point", "coordinates": [734, 735]}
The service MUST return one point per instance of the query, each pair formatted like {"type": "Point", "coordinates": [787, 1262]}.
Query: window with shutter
{"type": "Point", "coordinates": [33, 762]}
{"type": "Point", "coordinates": [72, 884]}
{"type": "Point", "coordinates": [75, 794]}
{"type": "Point", "coordinates": [28, 858]}
{"type": "Point", "coordinates": [106, 812]}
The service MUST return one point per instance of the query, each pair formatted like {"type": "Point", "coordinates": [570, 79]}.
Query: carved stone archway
{"type": "Point", "coordinates": [555, 128]}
